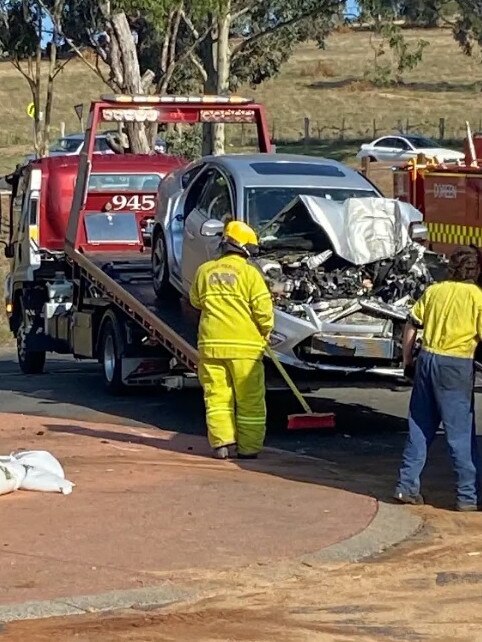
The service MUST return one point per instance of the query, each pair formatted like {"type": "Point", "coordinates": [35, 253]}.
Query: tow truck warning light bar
{"type": "Point", "coordinates": [139, 98]}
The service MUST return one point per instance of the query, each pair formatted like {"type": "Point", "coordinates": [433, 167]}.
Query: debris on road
{"type": "Point", "coordinates": [35, 470]}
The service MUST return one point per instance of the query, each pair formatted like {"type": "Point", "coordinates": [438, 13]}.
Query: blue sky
{"type": "Point", "coordinates": [352, 7]}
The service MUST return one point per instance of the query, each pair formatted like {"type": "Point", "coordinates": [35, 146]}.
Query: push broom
{"type": "Point", "coordinates": [309, 420]}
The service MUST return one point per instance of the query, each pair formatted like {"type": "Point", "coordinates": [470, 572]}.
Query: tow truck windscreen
{"type": "Point", "coordinates": [125, 182]}
{"type": "Point", "coordinates": [104, 227]}
{"type": "Point", "coordinates": [263, 203]}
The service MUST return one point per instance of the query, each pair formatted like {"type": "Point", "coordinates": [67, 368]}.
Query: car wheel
{"type": "Point", "coordinates": [160, 269]}
{"type": "Point", "coordinates": [30, 362]}
{"type": "Point", "coordinates": [111, 346]}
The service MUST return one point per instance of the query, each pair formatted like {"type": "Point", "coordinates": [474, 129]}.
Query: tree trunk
{"type": "Point", "coordinates": [126, 72]}
{"type": "Point", "coordinates": [216, 59]}
{"type": "Point", "coordinates": [49, 100]}
{"type": "Point", "coordinates": [223, 58]}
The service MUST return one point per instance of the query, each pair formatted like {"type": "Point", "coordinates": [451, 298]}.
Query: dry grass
{"type": "Point", "coordinates": [446, 85]}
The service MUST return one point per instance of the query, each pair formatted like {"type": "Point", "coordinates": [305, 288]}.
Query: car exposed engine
{"type": "Point", "coordinates": [323, 280]}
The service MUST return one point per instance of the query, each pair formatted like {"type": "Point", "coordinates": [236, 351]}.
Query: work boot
{"type": "Point", "coordinates": [221, 453]}
{"type": "Point", "coordinates": [466, 508]}
{"type": "Point", "coordinates": [405, 498]}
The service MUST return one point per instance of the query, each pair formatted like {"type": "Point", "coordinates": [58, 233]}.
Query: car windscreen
{"type": "Point", "coordinates": [124, 182]}
{"type": "Point", "coordinates": [263, 203]}
{"type": "Point", "coordinates": [68, 145]}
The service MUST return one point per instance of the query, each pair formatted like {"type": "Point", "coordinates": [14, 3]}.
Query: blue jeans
{"type": "Point", "coordinates": [443, 391]}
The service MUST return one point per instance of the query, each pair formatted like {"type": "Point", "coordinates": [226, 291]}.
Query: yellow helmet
{"type": "Point", "coordinates": [240, 233]}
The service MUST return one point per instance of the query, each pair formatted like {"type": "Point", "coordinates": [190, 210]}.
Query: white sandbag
{"type": "Point", "coordinates": [40, 459]}
{"type": "Point", "coordinates": [12, 474]}
{"type": "Point", "coordinates": [43, 481]}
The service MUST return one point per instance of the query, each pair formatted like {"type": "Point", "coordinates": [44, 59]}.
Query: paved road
{"type": "Point", "coordinates": [370, 419]}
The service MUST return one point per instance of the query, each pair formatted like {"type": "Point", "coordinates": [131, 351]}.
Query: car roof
{"type": "Point", "coordinates": [241, 167]}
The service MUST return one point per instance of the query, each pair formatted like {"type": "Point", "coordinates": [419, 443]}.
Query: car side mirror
{"type": "Point", "coordinates": [9, 252]}
{"type": "Point", "coordinates": [212, 227]}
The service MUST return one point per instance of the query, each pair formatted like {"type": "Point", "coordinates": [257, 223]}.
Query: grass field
{"type": "Point", "coordinates": [328, 87]}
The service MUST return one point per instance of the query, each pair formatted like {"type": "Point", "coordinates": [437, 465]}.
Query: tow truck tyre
{"type": "Point", "coordinates": [30, 362]}
{"type": "Point", "coordinates": [160, 269]}
{"type": "Point", "coordinates": [111, 347]}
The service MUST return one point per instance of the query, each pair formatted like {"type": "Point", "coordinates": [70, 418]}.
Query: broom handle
{"type": "Point", "coordinates": [288, 379]}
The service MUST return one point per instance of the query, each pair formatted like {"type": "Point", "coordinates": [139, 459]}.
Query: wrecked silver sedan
{"type": "Point", "coordinates": [343, 263]}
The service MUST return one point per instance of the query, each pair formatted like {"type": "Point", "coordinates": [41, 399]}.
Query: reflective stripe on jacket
{"type": "Point", "coordinates": [236, 309]}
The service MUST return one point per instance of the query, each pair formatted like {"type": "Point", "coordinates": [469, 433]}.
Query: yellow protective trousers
{"type": "Point", "coordinates": [234, 395]}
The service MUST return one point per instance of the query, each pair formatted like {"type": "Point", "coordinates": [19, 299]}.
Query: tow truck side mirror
{"type": "Point", "coordinates": [212, 227]}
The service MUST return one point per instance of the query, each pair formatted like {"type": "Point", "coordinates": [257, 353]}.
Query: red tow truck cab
{"type": "Point", "coordinates": [117, 183]}
{"type": "Point", "coordinates": [448, 195]}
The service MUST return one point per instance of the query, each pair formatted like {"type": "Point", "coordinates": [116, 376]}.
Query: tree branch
{"type": "Point", "coordinates": [242, 12]}
{"type": "Point", "coordinates": [59, 67]}
{"type": "Point", "coordinates": [267, 32]}
{"type": "Point", "coordinates": [16, 63]}
{"type": "Point", "coordinates": [199, 66]}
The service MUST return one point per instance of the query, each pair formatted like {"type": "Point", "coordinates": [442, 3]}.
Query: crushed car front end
{"type": "Point", "coordinates": [343, 277]}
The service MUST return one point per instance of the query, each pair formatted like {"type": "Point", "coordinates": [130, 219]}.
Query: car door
{"type": "Point", "coordinates": [213, 202]}
{"type": "Point", "coordinates": [385, 149]}
{"type": "Point", "coordinates": [403, 150]}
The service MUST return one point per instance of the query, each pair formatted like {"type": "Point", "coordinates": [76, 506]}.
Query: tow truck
{"type": "Point", "coordinates": [89, 292]}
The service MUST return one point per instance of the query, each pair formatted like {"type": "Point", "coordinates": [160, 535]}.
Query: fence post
{"type": "Point", "coordinates": [407, 127]}
{"type": "Point", "coordinates": [306, 131]}
{"type": "Point", "coordinates": [273, 130]}
{"type": "Point", "coordinates": [62, 129]}
{"type": "Point", "coordinates": [243, 135]}
{"type": "Point", "coordinates": [374, 128]}
{"type": "Point", "coordinates": [441, 128]}
{"type": "Point", "coordinates": [342, 129]}
{"type": "Point", "coordinates": [400, 126]}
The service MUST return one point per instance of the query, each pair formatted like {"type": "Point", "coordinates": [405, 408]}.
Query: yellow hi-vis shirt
{"type": "Point", "coordinates": [450, 314]}
{"type": "Point", "coordinates": [236, 309]}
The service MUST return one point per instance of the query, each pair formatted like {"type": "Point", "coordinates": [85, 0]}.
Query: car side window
{"type": "Point", "coordinates": [399, 143]}
{"type": "Point", "coordinates": [383, 142]}
{"type": "Point", "coordinates": [196, 189]}
{"type": "Point", "coordinates": [101, 145]}
{"type": "Point", "coordinates": [215, 200]}
{"type": "Point", "coordinates": [190, 175]}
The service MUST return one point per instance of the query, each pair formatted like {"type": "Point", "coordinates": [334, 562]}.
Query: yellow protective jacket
{"type": "Point", "coordinates": [237, 311]}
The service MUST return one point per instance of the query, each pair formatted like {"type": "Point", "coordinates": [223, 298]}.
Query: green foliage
{"type": "Point", "coordinates": [19, 27]}
{"type": "Point", "coordinates": [468, 27]}
{"type": "Point", "coordinates": [186, 142]}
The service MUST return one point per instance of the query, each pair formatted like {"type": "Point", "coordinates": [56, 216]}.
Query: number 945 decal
{"type": "Point", "coordinates": [137, 202]}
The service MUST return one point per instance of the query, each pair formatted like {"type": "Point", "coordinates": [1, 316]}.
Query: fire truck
{"type": "Point", "coordinates": [449, 196]}
{"type": "Point", "coordinates": [82, 284]}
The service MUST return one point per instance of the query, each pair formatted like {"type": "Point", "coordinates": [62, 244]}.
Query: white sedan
{"type": "Point", "coordinates": [402, 148]}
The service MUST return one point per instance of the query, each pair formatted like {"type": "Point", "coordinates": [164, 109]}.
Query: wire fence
{"type": "Point", "coordinates": [312, 129]}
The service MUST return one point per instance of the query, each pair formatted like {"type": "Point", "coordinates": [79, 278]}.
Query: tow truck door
{"type": "Point", "coordinates": [212, 199]}
{"type": "Point", "coordinates": [26, 258]}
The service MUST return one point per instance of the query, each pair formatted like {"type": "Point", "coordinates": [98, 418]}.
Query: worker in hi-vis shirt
{"type": "Point", "coordinates": [449, 315]}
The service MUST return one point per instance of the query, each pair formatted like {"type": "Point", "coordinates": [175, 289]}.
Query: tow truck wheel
{"type": "Point", "coordinates": [30, 362]}
{"type": "Point", "coordinates": [111, 359]}
{"type": "Point", "coordinates": [160, 270]}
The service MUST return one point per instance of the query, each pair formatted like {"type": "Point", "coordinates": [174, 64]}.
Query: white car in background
{"type": "Point", "coordinates": [403, 148]}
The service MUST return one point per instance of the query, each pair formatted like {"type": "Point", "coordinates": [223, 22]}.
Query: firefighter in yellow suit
{"type": "Point", "coordinates": [236, 321]}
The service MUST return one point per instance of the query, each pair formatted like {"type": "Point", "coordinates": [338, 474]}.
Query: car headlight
{"type": "Point", "coordinates": [418, 232]}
